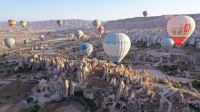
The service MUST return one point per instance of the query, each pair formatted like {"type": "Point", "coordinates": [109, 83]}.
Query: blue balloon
{"type": "Point", "coordinates": [86, 49]}
{"type": "Point", "coordinates": [167, 43]}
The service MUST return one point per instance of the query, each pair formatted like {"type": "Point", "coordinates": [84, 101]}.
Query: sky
{"type": "Point", "coordinates": [34, 10]}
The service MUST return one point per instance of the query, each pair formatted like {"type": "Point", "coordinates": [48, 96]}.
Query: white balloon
{"type": "Point", "coordinates": [41, 37]}
{"type": "Point", "coordinates": [116, 46]}
{"type": "Point", "coordinates": [79, 34]}
{"type": "Point", "coordinates": [180, 28]}
{"type": "Point", "coordinates": [9, 42]}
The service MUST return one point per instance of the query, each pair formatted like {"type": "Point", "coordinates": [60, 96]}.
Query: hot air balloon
{"type": "Point", "coordinates": [145, 13]}
{"type": "Point", "coordinates": [167, 43]}
{"type": "Point", "coordinates": [26, 41]}
{"type": "Point", "coordinates": [23, 23]}
{"type": "Point", "coordinates": [101, 29]}
{"type": "Point", "coordinates": [86, 49]}
{"type": "Point", "coordinates": [12, 22]}
{"type": "Point", "coordinates": [41, 37]}
{"type": "Point", "coordinates": [96, 23]}
{"type": "Point", "coordinates": [180, 28]}
{"type": "Point", "coordinates": [60, 22]}
{"type": "Point", "coordinates": [79, 34]}
{"type": "Point", "coordinates": [116, 46]}
{"type": "Point", "coordinates": [9, 42]}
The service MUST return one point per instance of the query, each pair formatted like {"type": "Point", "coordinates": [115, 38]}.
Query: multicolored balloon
{"type": "Point", "coordinates": [101, 29]}
{"type": "Point", "coordinates": [86, 49]}
{"type": "Point", "coordinates": [145, 13]}
{"type": "Point", "coordinates": [12, 22]}
{"type": "Point", "coordinates": [9, 42]}
{"type": "Point", "coordinates": [116, 46]}
{"type": "Point", "coordinates": [23, 23]}
{"type": "Point", "coordinates": [180, 28]}
{"type": "Point", "coordinates": [79, 34]}
{"type": "Point", "coordinates": [60, 22]}
{"type": "Point", "coordinates": [96, 23]}
{"type": "Point", "coordinates": [167, 43]}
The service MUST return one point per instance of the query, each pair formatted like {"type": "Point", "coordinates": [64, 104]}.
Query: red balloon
{"type": "Point", "coordinates": [180, 28]}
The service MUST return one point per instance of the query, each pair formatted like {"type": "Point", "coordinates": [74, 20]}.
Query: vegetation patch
{"type": "Point", "coordinates": [196, 84]}
{"type": "Point", "coordinates": [169, 69]}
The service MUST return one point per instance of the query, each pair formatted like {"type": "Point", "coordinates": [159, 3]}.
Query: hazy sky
{"type": "Point", "coordinates": [92, 9]}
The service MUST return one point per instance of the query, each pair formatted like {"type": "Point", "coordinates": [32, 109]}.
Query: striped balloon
{"type": "Point", "coordinates": [116, 46]}
{"type": "Point", "coordinates": [86, 49]}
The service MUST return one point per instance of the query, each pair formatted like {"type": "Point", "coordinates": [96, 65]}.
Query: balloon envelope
{"type": "Point", "coordinates": [23, 23]}
{"type": "Point", "coordinates": [79, 34]}
{"type": "Point", "coordinates": [101, 29]}
{"type": "Point", "coordinates": [60, 22]}
{"type": "Point", "coordinates": [145, 13]}
{"type": "Point", "coordinates": [26, 41]}
{"type": "Point", "coordinates": [41, 37]}
{"type": "Point", "coordinates": [116, 46]}
{"type": "Point", "coordinates": [86, 48]}
{"type": "Point", "coordinates": [9, 42]}
{"type": "Point", "coordinates": [167, 43]}
{"type": "Point", "coordinates": [12, 22]}
{"type": "Point", "coordinates": [180, 28]}
{"type": "Point", "coordinates": [96, 23]}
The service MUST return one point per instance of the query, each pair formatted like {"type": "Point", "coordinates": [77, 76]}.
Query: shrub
{"type": "Point", "coordinates": [29, 99]}
{"type": "Point", "coordinates": [34, 108]}
{"type": "Point", "coordinates": [196, 84]}
{"type": "Point", "coordinates": [18, 76]}
{"type": "Point", "coordinates": [7, 97]}
{"type": "Point", "coordinates": [4, 55]}
{"type": "Point", "coordinates": [169, 69]}
{"type": "Point", "coordinates": [161, 81]}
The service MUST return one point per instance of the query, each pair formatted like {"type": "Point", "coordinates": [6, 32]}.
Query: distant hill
{"type": "Point", "coordinates": [122, 25]}
{"type": "Point", "coordinates": [51, 25]}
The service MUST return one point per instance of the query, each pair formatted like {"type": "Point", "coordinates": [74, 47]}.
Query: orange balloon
{"type": "Point", "coordinates": [12, 22]}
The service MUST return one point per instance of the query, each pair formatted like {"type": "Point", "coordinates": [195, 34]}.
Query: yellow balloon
{"type": "Point", "coordinates": [23, 23]}
{"type": "Point", "coordinates": [96, 23]}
